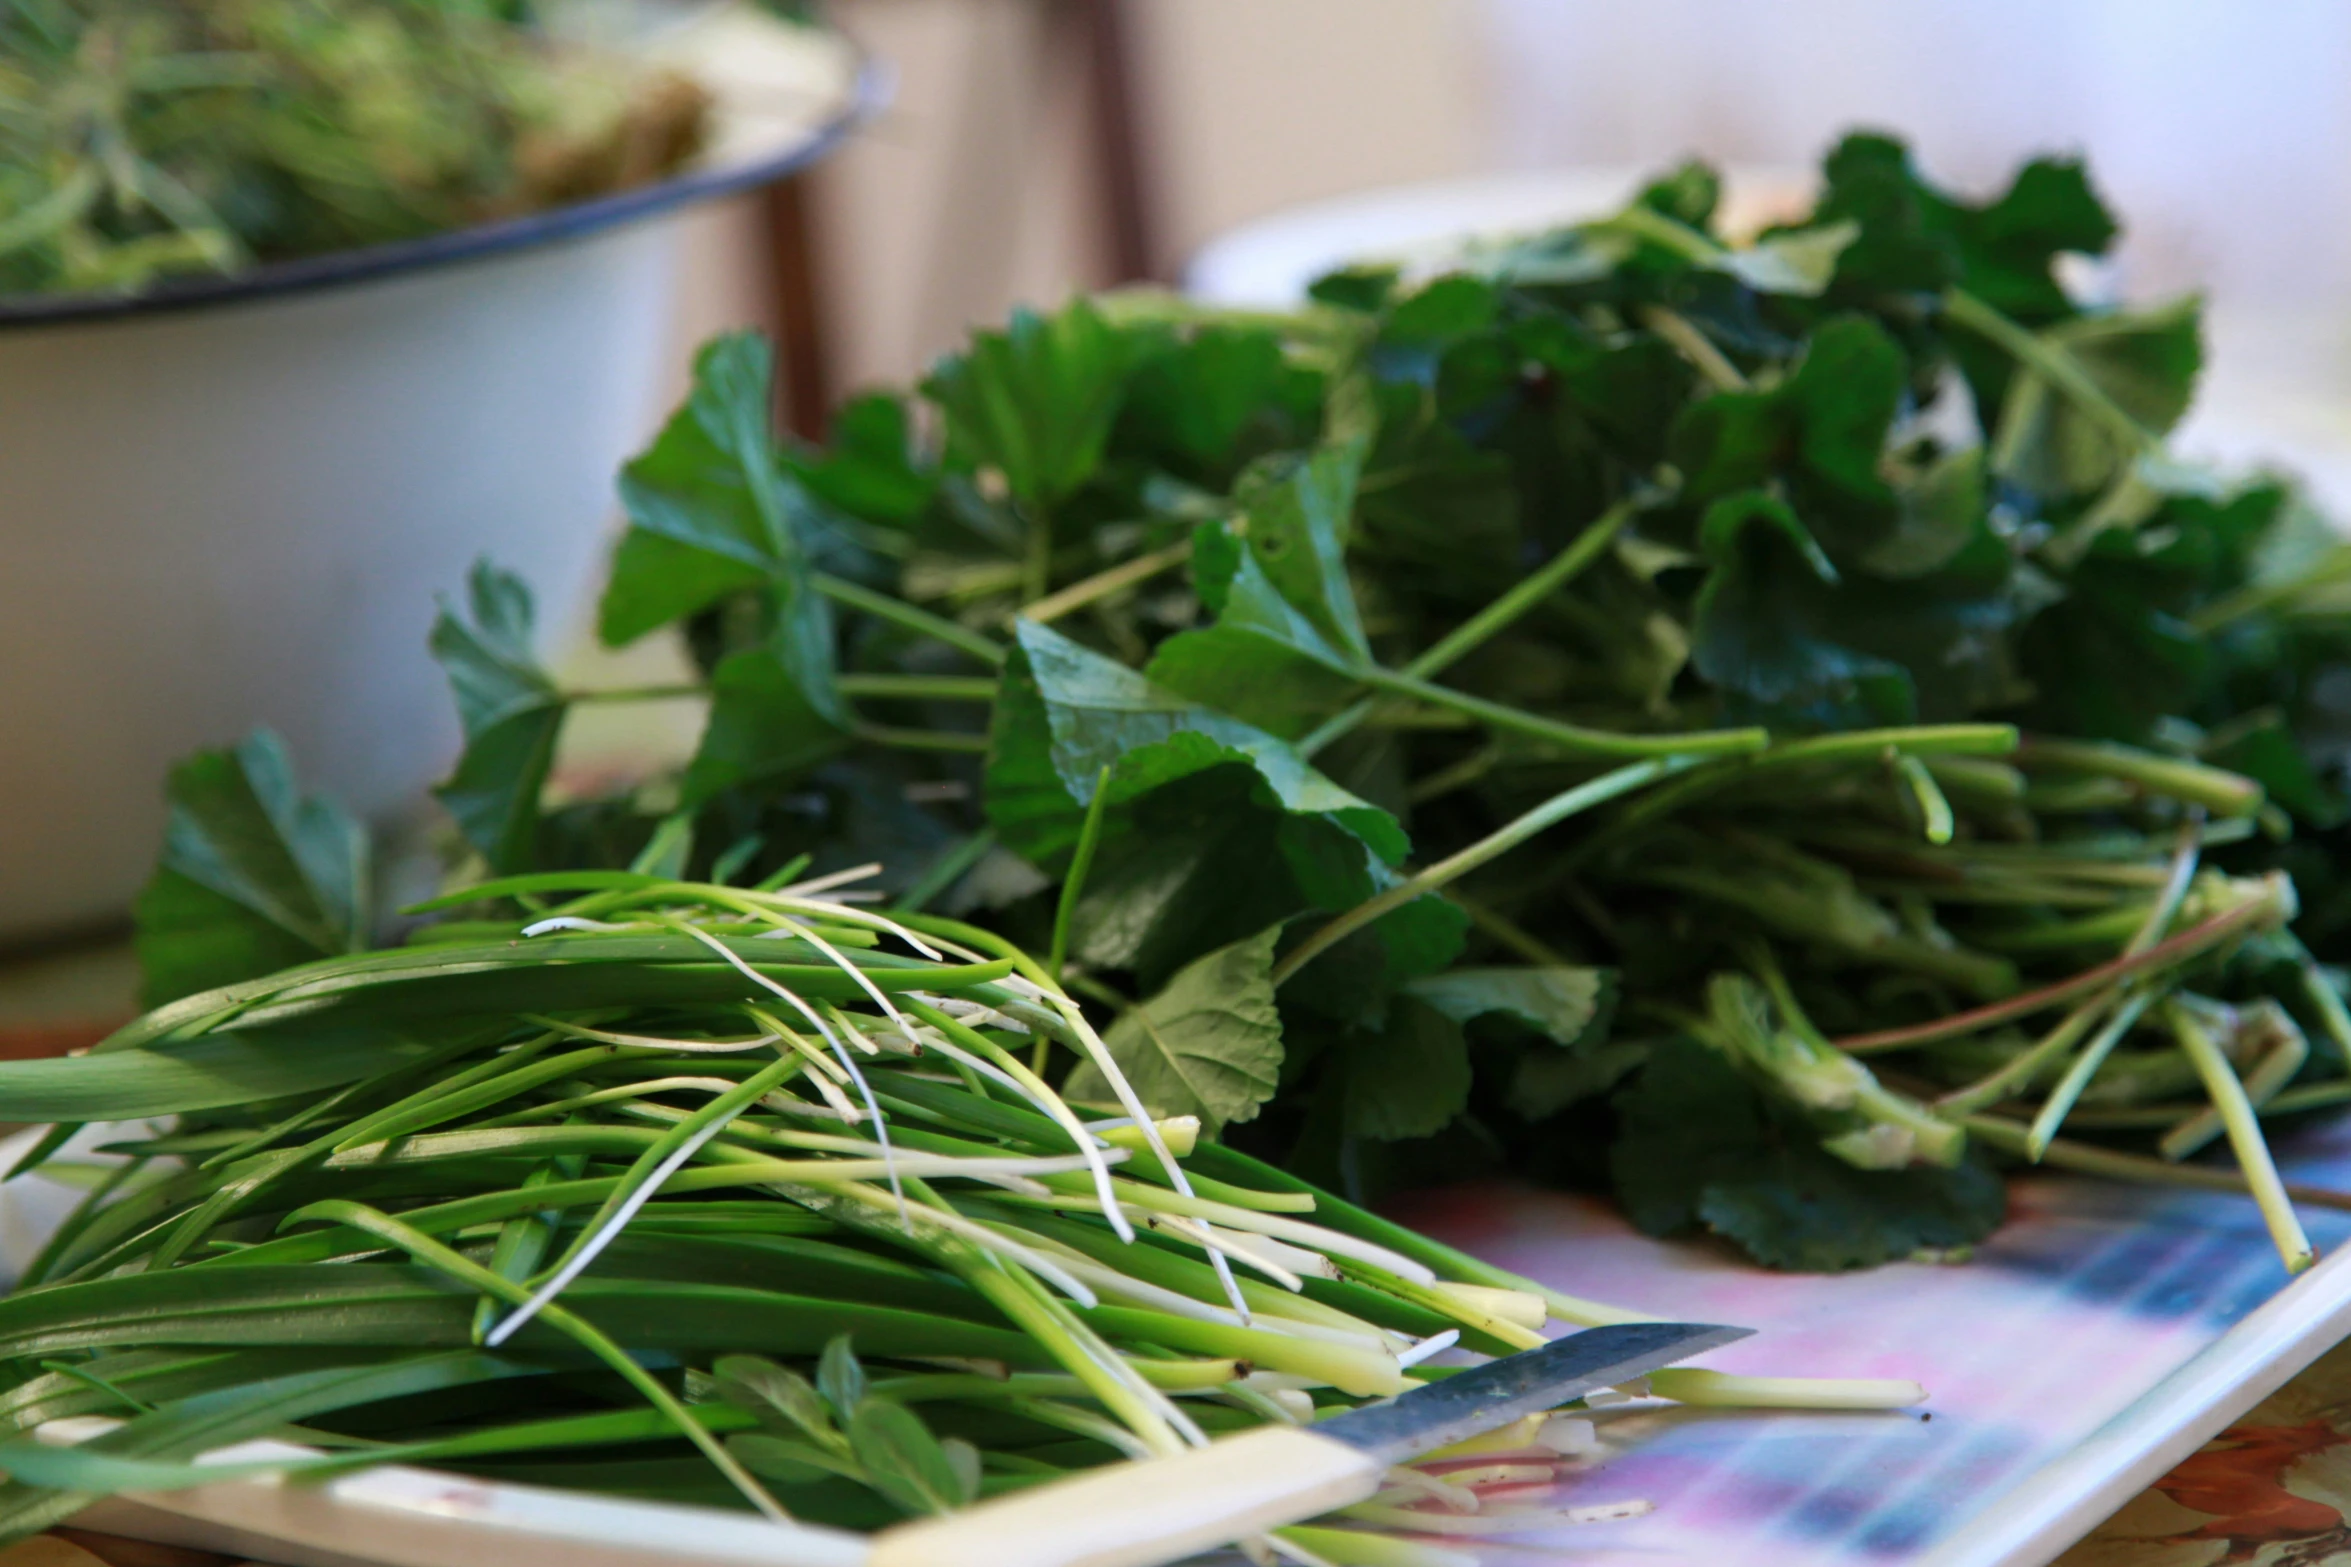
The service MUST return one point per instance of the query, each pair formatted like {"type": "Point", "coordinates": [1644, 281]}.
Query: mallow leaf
{"type": "Point", "coordinates": [510, 710]}
{"type": "Point", "coordinates": [1295, 519]}
{"type": "Point", "coordinates": [711, 510]}
{"type": "Point", "coordinates": [1820, 434]}
{"type": "Point", "coordinates": [775, 707]}
{"type": "Point", "coordinates": [2145, 363]}
{"type": "Point", "coordinates": [1208, 1044]}
{"type": "Point", "coordinates": [1757, 631]}
{"type": "Point", "coordinates": [254, 876]}
{"type": "Point", "coordinates": [1065, 713]}
{"type": "Point", "coordinates": [1263, 661]}
{"type": "Point", "coordinates": [868, 468]}
{"type": "Point", "coordinates": [1571, 1006]}
{"type": "Point", "coordinates": [1406, 1079]}
{"type": "Point", "coordinates": [1035, 401]}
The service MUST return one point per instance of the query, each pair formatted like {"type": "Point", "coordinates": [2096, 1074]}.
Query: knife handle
{"type": "Point", "coordinates": [1142, 1514]}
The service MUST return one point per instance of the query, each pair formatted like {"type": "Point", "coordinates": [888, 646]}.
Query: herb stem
{"type": "Point", "coordinates": [1073, 886]}
{"type": "Point", "coordinates": [2188, 943]}
{"type": "Point", "coordinates": [2222, 792]}
{"type": "Point", "coordinates": [1550, 813]}
{"type": "Point", "coordinates": [2243, 1126]}
{"type": "Point", "coordinates": [1104, 583]}
{"type": "Point", "coordinates": [1921, 740]}
{"type": "Point", "coordinates": [1568, 737]}
{"type": "Point", "coordinates": [923, 739]}
{"type": "Point", "coordinates": [1694, 346]}
{"type": "Point", "coordinates": [1495, 618]}
{"type": "Point", "coordinates": [2051, 363]}
{"type": "Point", "coordinates": [668, 693]}
{"type": "Point", "coordinates": [2090, 1159]}
{"type": "Point", "coordinates": [884, 606]}
{"type": "Point", "coordinates": [2085, 1067]}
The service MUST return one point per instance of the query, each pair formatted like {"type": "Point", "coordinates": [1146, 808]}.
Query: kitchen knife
{"type": "Point", "coordinates": [1161, 1510]}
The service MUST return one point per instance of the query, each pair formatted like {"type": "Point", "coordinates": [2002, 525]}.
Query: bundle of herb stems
{"type": "Point", "coordinates": [730, 1194]}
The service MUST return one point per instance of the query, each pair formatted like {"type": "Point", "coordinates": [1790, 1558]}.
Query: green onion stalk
{"type": "Point", "coordinates": [739, 1195]}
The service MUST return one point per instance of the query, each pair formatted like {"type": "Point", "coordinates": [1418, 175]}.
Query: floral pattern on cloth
{"type": "Point", "coordinates": [2273, 1490]}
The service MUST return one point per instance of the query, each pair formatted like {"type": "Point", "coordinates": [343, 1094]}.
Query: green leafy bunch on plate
{"type": "Point", "coordinates": [1759, 724]}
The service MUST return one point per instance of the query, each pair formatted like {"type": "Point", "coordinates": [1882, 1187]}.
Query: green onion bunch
{"type": "Point", "coordinates": [739, 1195]}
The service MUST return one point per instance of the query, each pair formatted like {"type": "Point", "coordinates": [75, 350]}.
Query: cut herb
{"type": "Point", "coordinates": [145, 139]}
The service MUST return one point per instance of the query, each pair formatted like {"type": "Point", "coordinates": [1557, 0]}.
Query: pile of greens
{"type": "Point", "coordinates": [737, 1194]}
{"type": "Point", "coordinates": [143, 139]}
{"type": "Point", "coordinates": [1767, 728]}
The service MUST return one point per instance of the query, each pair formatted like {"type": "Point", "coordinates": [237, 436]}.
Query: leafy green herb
{"type": "Point", "coordinates": [254, 876]}
{"type": "Point", "coordinates": [1611, 646]}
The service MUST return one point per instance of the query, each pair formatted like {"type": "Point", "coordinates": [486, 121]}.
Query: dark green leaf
{"type": "Point", "coordinates": [774, 708]}
{"type": "Point", "coordinates": [1570, 1006]}
{"type": "Point", "coordinates": [867, 469]}
{"type": "Point", "coordinates": [2145, 363]}
{"type": "Point", "coordinates": [1701, 1147]}
{"type": "Point", "coordinates": [511, 712]}
{"type": "Point", "coordinates": [1035, 401]}
{"type": "Point", "coordinates": [254, 876]}
{"type": "Point", "coordinates": [708, 502]}
{"type": "Point", "coordinates": [1407, 1079]}
{"type": "Point", "coordinates": [1067, 713]}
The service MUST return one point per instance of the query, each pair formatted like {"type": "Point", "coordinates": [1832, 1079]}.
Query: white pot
{"type": "Point", "coordinates": [241, 516]}
{"type": "Point", "coordinates": [234, 505]}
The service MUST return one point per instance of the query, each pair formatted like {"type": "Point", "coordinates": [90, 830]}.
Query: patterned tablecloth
{"type": "Point", "coordinates": [2272, 1491]}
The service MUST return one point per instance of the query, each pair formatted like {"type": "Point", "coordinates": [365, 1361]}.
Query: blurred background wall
{"type": "Point", "coordinates": [975, 190]}
{"type": "Point", "coordinates": [2217, 126]}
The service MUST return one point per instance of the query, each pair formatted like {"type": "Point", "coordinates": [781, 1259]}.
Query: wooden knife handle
{"type": "Point", "coordinates": [1143, 1514]}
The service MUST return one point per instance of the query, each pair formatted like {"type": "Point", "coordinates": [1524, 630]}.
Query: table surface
{"type": "Point", "coordinates": [2090, 1294]}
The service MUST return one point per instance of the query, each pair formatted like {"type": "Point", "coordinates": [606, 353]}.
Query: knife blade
{"type": "Point", "coordinates": [1161, 1510]}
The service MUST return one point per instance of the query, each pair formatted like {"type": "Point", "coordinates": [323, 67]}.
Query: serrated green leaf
{"type": "Point", "coordinates": [1296, 520]}
{"type": "Point", "coordinates": [1208, 1044]}
{"type": "Point", "coordinates": [1035, 401]}
{"type": "Point", "coordinates": [254, 876]}
{"type": "Point", "coordinates": [708, 502]}
{"type": "Point", "coordinates": [774, 708]}
{"type": "Point", "coordinates": [1066, 713]}
{"type": "Point", "coordinates": [868, 467]}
